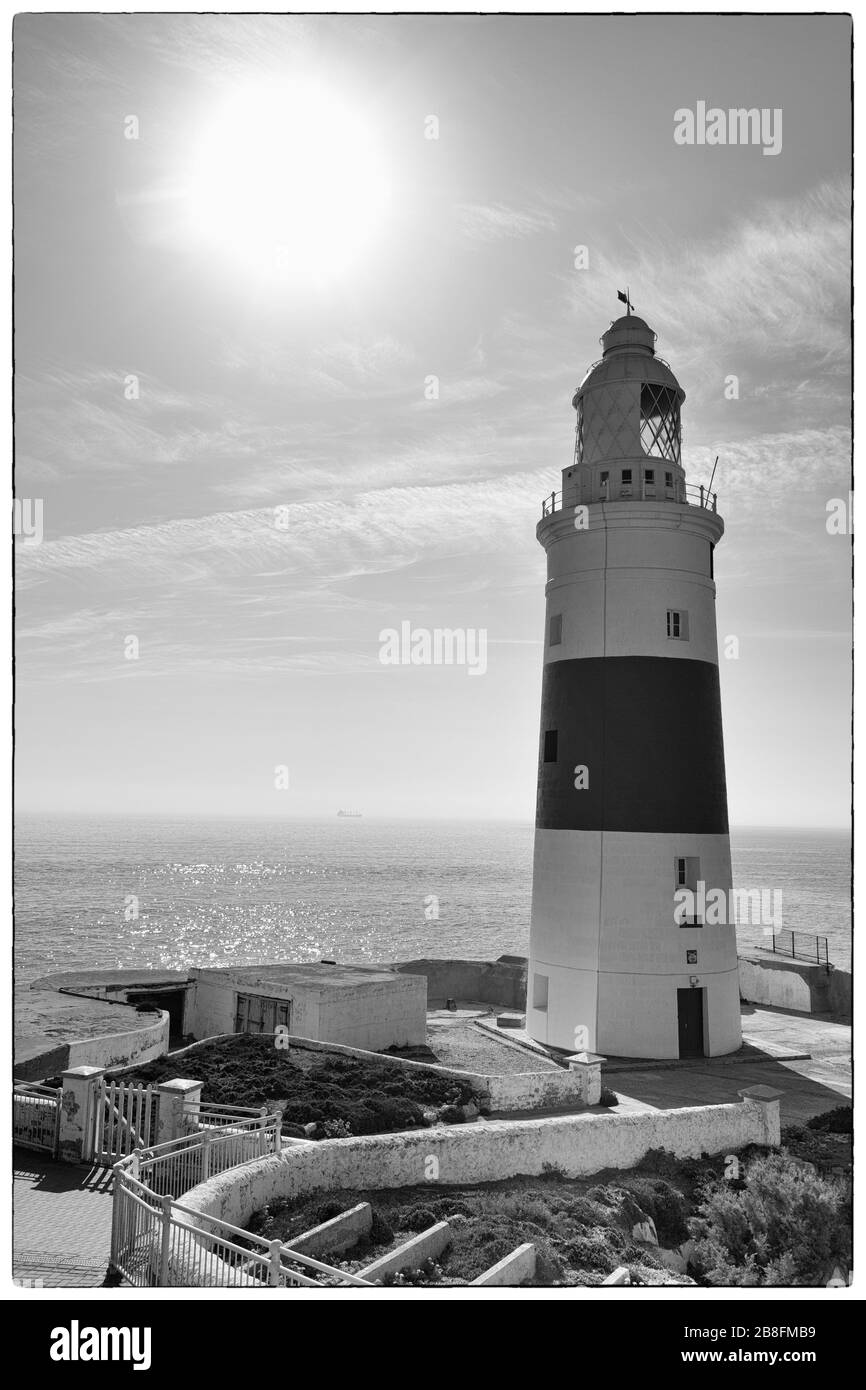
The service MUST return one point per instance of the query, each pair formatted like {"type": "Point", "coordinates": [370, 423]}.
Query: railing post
{"type": "Point", "coordinates": [205, 1155]}
{"type": "Point", "coordinates": [165, 1246]}
{"type": "Point", "coordinates": [179, 1102]}
{"type": "Point", "coordinates": [274, 1264]}
{"type": "Point", "coordinates": [263, 1131]}
{"type": "Point", "coordinates": [78, 1114]}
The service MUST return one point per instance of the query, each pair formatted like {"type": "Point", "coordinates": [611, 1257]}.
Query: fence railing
{"type": "Point", "coordinates": [179, 1164]}
{"type": "Point", "coordinates": [695, 494]}
{"type": "Point", "coordinates": [156, 1241]}
{"type": "Point", "coordinates": [801, 945]}
{"type": "Point", "coordinates": [36, 1116]}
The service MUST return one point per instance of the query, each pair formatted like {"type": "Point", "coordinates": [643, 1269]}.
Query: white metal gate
{"type": "Point", "coordinates": [36, 1116]}
{"type": "Point", "coordinates": [124, 1118]}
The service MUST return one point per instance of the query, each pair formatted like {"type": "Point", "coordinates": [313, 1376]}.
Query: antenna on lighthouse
{"type": "Point", "coordinates": [712, 475]}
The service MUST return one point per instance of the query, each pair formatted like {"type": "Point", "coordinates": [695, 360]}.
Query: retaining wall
{"type": "Point", "coordinates": [501, 982]}
{"type": "Point", "coordinates": [575, 1145]}
{"type": "Point", "coordinates": [129, 1048]}
{"type": "Point", "coordinates": [795, 984]}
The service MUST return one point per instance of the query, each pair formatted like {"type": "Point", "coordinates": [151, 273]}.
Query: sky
{"type": "Point", "coordinates": [291, 372]}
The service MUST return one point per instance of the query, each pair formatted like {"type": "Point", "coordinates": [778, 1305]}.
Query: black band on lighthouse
{"type": "Point", "coordinates": [649, 732]}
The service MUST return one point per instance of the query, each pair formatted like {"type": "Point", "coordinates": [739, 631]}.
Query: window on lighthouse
{"type": "Point", "coordinates": [555, 629]}
{"type": "Point", "coordinates": [660, 422]}
{"type": "Point", "coordinates": [678, 625]}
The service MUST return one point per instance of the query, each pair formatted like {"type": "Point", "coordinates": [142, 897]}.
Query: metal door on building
{"type": "Point", "coordinates": [255, 1013]}
{"type": "Point", "coordinates": [690, 1018]}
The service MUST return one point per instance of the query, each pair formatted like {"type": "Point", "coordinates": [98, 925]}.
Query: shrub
{"type": "Point", "coordinates": [837, 1121]}
{"type": "Point", "coordinates": [788, 1225]}
{"type": "Point", "coordinates": [326, 1212]}
{"type": "Point", "coordinates": [608, 1097]}
{"type": "Point", "coordinates": [592, 1253]}
{"type": "Point", "coordinates": [418, 1219]}
{"type": "Point", "coordinates": [380, 1232]}
{"type": "Point", "coordinates": [451, 1115]}
{"type": "Point", "coordinates": [665, 1205]}
{"type": "Point", "coordinates": [335, 1129]}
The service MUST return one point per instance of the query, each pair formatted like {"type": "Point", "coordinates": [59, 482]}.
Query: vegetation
{"type": "Point", "coordinates": [838, 1121]}
{"type": "Point", "coordinates": [774, 1220]}
{"type": "Point", "coordinates": [783, 1224]}
{"type": "Point", "coordinates": [341, 1095]}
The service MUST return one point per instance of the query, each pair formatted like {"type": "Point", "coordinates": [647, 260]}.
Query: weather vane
{"type": "Point", "coordinates": [626, 299]}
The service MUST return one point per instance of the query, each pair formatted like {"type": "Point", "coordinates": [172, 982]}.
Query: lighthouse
{"type": "Point", "coordinates": [631, 821]}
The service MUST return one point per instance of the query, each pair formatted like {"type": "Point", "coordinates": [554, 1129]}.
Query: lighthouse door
{"type": "Point", "coordinates": [690, 1014]}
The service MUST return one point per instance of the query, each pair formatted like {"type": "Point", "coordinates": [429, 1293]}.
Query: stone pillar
{"type": "Point", "coordinates": [173, 1097]}
{"type": "Point", "coordinates": [587, 1065]}
{"type": "Point", "coordinates": [766, 1098]}
{"type": "Point", "coordinates": [76, 1114]}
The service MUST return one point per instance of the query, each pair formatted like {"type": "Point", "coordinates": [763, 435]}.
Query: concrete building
{"type": "Point", "coordinates": [350, 1004]}
{"type": "Point", "coordinates": [632, 803]}
{"type": "Point", "coordinates": [360, 1006]}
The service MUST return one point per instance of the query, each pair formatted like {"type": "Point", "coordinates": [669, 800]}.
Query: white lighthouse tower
{"type": "Point", "coordinates": [632, 804]}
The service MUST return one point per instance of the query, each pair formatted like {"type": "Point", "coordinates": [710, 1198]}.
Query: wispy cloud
{"type": "Point", "coordinates": [497, 222]}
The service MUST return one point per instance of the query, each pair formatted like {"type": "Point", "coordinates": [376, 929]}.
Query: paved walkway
{"type": "Point", "coordinates": [62, 1222]}
{"type": "Point", "coordinates": [806, 1057]}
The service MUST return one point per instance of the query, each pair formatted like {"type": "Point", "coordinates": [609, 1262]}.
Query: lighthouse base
{"type": "Point", "coordinates": [619, 1015]}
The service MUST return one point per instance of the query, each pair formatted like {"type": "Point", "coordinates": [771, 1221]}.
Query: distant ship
{"type": "Point", "coordinates": [353, 814]}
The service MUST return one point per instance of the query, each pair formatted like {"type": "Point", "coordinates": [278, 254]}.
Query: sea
{"type": "Point", "coordinates": [108, 893]}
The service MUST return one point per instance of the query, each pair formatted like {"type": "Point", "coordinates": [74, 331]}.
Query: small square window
{"type": "Point", "coordinates": [551, 740]}
{"type": "Point", "coordinates": [604, 479]}
{"type": "Point", "coordinates": [678, 625]}
{"type": "Point", "coordinates": [669, 480]}
{"type": "Point", "coordinates": [626, 476]}
{"type": "Point", "coordinates": [649, 475]}
{"type": "Point", "coordinates": [540, 985]}
{"type": "Point", "coordinates": [555, 629]}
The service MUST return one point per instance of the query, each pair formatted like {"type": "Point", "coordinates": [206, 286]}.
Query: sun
{"type": "Point", "coordinates": [287, 181]}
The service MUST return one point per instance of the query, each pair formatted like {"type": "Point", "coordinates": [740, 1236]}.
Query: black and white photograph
{"type": "Point", "coordinates": [432, 633]}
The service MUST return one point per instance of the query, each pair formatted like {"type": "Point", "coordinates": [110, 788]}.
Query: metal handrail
{"type": "Point", "coordinates": [153, 1240]}
{"type": "Point", "coordinates": [694, 495]}
{"type": "Point", "coordinates": [819, 950]}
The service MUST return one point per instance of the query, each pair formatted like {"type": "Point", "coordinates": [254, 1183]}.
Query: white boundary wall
{"type": "Point", "coordinates": [575, 1145]}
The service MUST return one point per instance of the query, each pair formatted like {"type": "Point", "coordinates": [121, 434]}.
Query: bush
{"type": "Point", "coordinates": [592, 1253]}
{"type": "Point", "coordinates": [451, 1115]}
{"type": "Point", "coordinates": [837, 1121]}
{"type": "Point", "coordinates": [665, 1205]}
{"type": "Point", "coordinates": [380, 1232]}
{"type": "Point", "coordinates": [418, 1219]}
{"type": "Point", "coordinates": [608, 1097]}
{"type": "Point", "coordinates": [788, 1225]}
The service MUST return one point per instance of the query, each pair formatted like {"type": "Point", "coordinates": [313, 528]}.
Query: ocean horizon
{"type": "Point", "coordinates": [172, 892]}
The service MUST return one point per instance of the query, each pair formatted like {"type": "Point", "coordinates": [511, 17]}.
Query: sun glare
{"type": "Point", "coordinates": [287, 182]}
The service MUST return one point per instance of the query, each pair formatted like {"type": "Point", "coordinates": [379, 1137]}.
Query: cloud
{"type": "Point", "coordinates": [499, 223]}
{"type": "Point", "coordinates": [768, 291]}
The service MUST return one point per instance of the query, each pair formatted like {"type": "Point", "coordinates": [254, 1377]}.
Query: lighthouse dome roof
{"type": "Point", "coordinates": [629, 355]}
